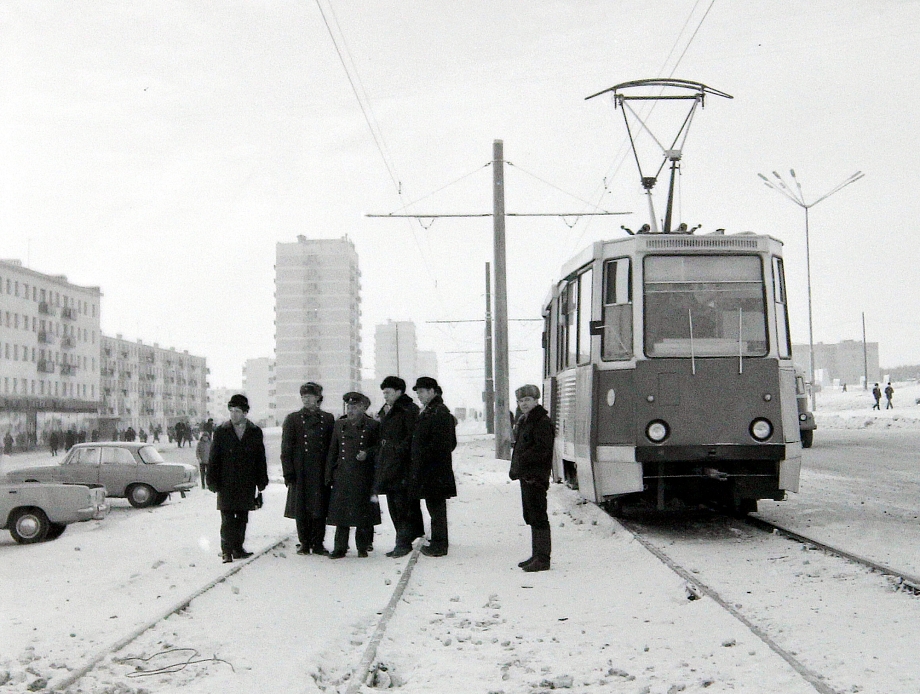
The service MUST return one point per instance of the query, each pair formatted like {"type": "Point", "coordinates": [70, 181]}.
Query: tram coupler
{"type": "Point", "coordinates": [714, 474]}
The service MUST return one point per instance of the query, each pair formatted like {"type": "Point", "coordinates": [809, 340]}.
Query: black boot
{"type": "Point", "coordinates": [533, 549]}
{"type": "Point", "coordinates": [542, 550]}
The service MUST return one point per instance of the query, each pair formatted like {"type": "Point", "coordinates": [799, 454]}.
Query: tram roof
{"type": "Point", "coordinates": [745, 241]}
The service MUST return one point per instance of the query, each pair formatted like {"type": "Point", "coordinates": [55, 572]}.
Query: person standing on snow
{"type": "Point", "coordinates": [394, 460]}
{"type": "Point", "coordinates": [432, 474]}
{"type": "Point", "coordinates": [531, 464]}
{"type": "Point", "coordinates": [889, 393]}
{"type": "Point", "coordinates": [202, 452]}
{"type": "Point", "coordinates": [236, 469]}
{"type": "Point", "coordinates": [877, 394]}
{"type": "Point", "coordinates": [350, 474]}
{"type": "Point", "coordinates": [305, 437]}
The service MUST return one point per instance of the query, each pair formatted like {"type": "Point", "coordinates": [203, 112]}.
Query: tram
{"type": "Point", "coordinates": [668, 370]}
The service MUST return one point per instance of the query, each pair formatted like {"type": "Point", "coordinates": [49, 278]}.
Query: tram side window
{"type": "Point", "coordinates": [564, 336]}
{"type": "Point", "coordinates": [584, 316]}
{"type": "Point", "coordinates": [617, 340]}
{"type": "Point", "coordinates": [783, 344]}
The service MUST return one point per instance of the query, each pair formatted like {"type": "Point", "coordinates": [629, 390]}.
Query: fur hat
{"type": "Point", "coordinates": [311, 388]}
{"type": "Point", "coordinates": [394, 382]}
{"type": "Point", "coordinates": [239, 400]}
{"type": "Point", "coordinates": [426, 382]}
{"type": "Point", "coordinates": [529, 390]}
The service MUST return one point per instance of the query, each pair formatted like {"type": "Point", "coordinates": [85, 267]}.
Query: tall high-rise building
{"type": "Point", "coordinates": [259, 387]}
{"type": "Point", "coordinates": [395, 350]}
{"type": "Point", "coordinates": [317, 320]}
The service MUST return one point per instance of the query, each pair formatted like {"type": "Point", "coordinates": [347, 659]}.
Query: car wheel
{"type": "Point", "coordinates": [55, 530]}
{"type": "Point", "coordinates": [808, 438]}
{"type": "Point", "coordinates": [29, 525]}
{"type": "Point", "coordinates": [141, 495]}
{"type": "Point", "coordinates": [160, 498]}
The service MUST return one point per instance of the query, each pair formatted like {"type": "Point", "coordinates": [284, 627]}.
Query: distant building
{"type": "Point", "coordinates": [217, 403]}
{"type": "Point", "coordinates": [844, 361]}
{"type": "Point", "coordinates": [259, 387]}
{"type": "Point", "coordinates": [147, 385]}
{"type": "Point", "coordinates": [317, 320]}
{"type": "Point", "coordinates": [428, 363]}
{"type": "Point", "coordinates": [395, 350]}
{"type": "Point", "coordinates": [49, 354]}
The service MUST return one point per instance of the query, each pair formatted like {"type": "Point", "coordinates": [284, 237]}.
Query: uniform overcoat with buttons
{"type": "Point", "coordinates": [236, 466]}
{"type": "Point", "coordinates": [352, 480]}
{"type": "Point", "coordinates": [305, 437]}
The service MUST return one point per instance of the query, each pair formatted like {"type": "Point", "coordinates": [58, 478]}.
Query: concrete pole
{"type": "Point", "coordinates": [502, 421]}
{"type": "Point", "coordinates": [488, 397]}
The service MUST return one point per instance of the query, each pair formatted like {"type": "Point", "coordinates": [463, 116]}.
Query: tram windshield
{"type": "Point", "coordinates": [704, 306]}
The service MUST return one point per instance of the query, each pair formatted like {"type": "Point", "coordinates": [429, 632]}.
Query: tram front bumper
{"type": "Point", "coordinates": [697, 454]}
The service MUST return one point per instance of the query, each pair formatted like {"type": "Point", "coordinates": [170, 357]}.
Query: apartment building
{"type": "Point", "coordinates": [49, 354]}
{"type": "Point", "coordinates": [259, 387]}
{"type": "Point", "coordinates": [317, 320]}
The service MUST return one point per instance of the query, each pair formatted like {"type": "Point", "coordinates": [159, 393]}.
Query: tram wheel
{"type": "Point", "coordinates": [808, 438]}
{"type": "Point", "coordinates": [746, 506]}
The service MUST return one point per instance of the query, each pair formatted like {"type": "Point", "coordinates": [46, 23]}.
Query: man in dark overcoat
{"type": "Point", "coordinates": [236, 469]}
{"type": "Point", "coordinates": [305, 437]}
{"type": "Point", "coordinates": [394, 459]}
{"type": "Point", "coordinates": [350, 474]}
{"type": "Point", "coordinates": [432, 474]}
{"type": "Point", "coordinates": [531, 464]}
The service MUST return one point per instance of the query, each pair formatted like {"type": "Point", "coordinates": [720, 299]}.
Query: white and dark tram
{"type": "Point", "coordinates": [668, 370]}
{"type": "Point", "coordinates": [667, 358]}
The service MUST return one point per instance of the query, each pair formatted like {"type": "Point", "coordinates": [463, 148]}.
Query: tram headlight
{"type": "Point", "coordinates": [657, 431]}
{"type": "Point", "coordinates": [761, 429]}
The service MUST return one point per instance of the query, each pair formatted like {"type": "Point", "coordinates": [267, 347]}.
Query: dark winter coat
{"type": "Point", "coordinates": [394, 459]}
{"type": "Point", "coordinates": [432, 474]}
{"type": "Point", "coordinates": [236, 467]}
{"type": "Point", "coordinates": [352, 480]}
{"type": "Point", "coordinates": [532, 458]}
{"type": "Point", "coordinates": [305, 437]}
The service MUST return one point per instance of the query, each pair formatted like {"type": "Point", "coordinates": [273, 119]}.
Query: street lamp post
{"type": "Point", "coordinates": [796, 196]}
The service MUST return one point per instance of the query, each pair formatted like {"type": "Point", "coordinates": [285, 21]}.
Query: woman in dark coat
{"type": "Point", "coordinates": [394, 460]}
{"type": "Point", "coordinates": [350, 473]}
{"type": "Point", "coordinates": [236, 469]}
{"type": "Point", "coordinates": [531, 463]}
{"type": "Point", "coordinates": [432, 475]}
{"type": "Point", "coordinates": [305, 438]}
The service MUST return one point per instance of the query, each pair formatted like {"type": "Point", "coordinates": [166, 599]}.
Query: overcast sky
{"type": "Point", "coordinates": [159, 150]}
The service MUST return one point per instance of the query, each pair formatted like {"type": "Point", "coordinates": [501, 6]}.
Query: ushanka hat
{"type": "Point", "coordinates": [239, 400]}
{"type": "Point", "coordinates": [311, 388]}
{"type": "Point", "coordinates": [394, 382]}
{"type": "Point", "coordinates": [426, 382]}
{"type": "Point", "coordinates": [529, 390]}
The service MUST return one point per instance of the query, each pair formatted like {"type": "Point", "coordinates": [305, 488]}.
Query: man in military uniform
{"type": "Point", "coordinates": [305, 437]}
{"type": "Point", "coordinates": [350, 474]}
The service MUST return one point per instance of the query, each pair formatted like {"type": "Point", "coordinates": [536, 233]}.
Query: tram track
{"type": "Point", "coordinates": [909, 582]}
{"type": "Point", "coordinates": [359, 673]}
{"type": "Point", "coordinates": [700, 588]}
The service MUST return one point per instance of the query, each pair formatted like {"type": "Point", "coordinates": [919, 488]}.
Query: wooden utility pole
{"type": "Point", "coordinates": [488, 397]}
{"type": "Point", "coordinates": [502, 422]}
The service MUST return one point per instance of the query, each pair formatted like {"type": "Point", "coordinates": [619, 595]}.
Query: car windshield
{"type": "Point", "coordinates": [150, 455]}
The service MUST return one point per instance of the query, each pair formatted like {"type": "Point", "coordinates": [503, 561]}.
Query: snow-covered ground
{"type": "Point", "coordinates": [609, 616]}
{"type": "Point", "coordinates": [853, 409]}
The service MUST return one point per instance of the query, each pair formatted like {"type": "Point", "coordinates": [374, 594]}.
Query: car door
{"type": "Point", "coordinates": [119, 469]}
{"type": "Point", "coordinates": [81, 466]}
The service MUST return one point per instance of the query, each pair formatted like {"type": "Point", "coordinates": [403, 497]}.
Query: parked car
{"type": "Point", "coordinates": [36, 512]}
{"type": "Point", "coordinates": [131, 470]}
{"type": "Point", "coordinates": [807, 424]}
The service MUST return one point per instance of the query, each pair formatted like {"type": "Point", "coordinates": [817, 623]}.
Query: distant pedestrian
{"type": "Point", "coordinates": [202, 452]}
{"type": "Point", "coordinates": [70, 438]}
{"type": "Point", "coordinates": [877, 394]}
{"type": "Point", "coordinates": [8, 443]}
{"type": "Point", "coordinates": [531, 464]}
{"type": "Point", "coordinates": [157, 430]}
{"type": "Point", "coordinates": [432, 475]}
{"type": "Point", "coordinates": [236, 470]}
{"type": "Point", "coordinates": [54, 442]}
{"type": "Point", "coordinates": [305, 438]}
{"type": "Point", "coordinates": [889, 393]}
{"type": "Point", "coordinates": [350, 475]}
{"type": "Point", "coordinates": [397, 420]}
{"type": "Point", "coordinates": [94, 435]}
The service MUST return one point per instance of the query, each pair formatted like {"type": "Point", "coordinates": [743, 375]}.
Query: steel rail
{"type": "Point", "coordinates": [804, 672]}
{"type": "Point", "coordinates": [910, 581]}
